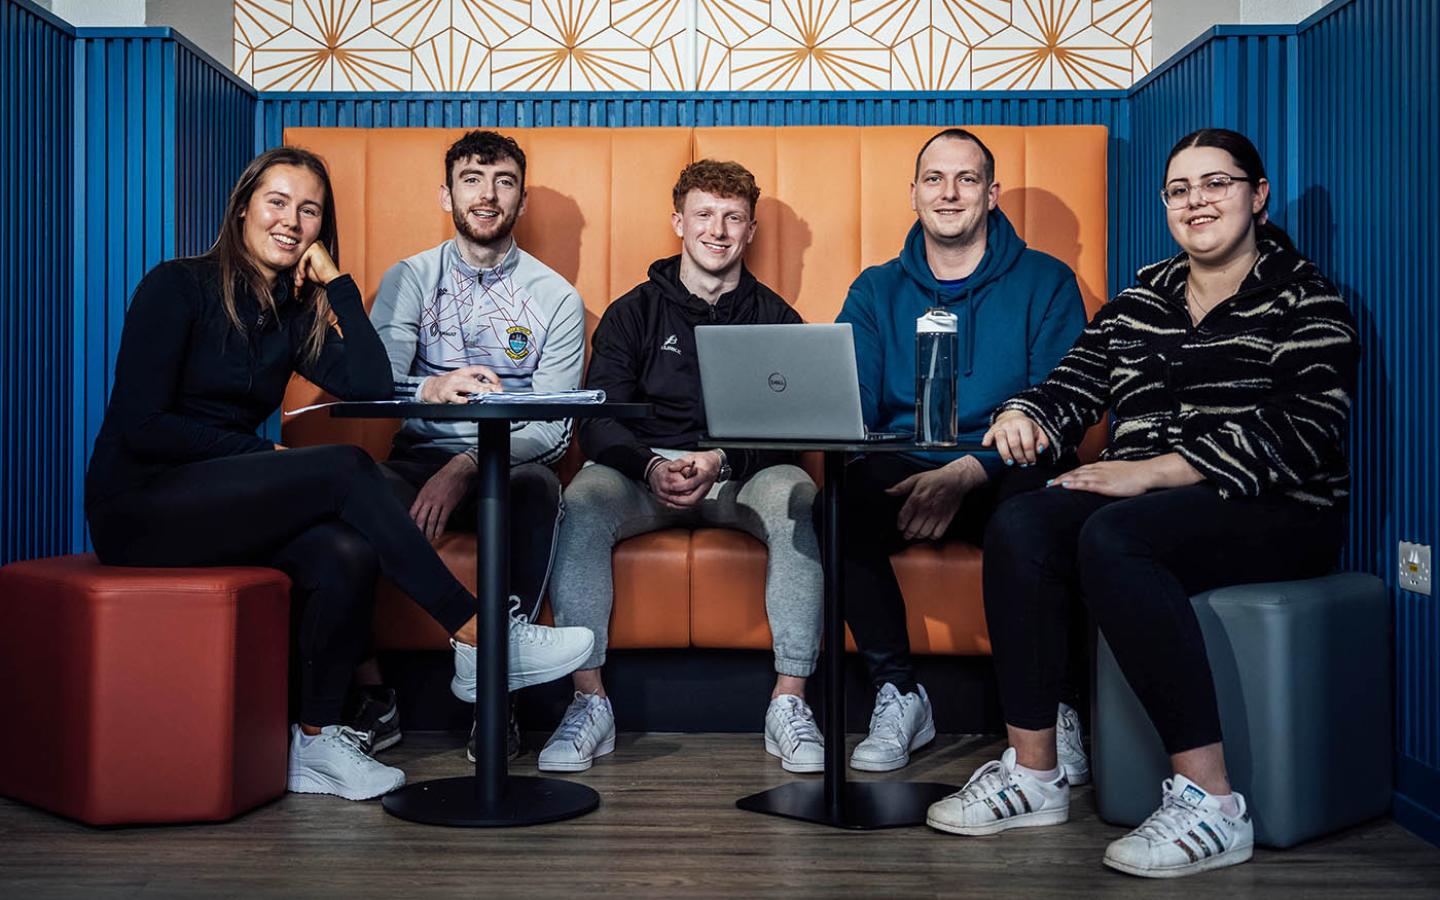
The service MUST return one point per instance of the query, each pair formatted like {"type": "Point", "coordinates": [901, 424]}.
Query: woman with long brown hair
{"type": "Point", "coordinates": [179, 477]}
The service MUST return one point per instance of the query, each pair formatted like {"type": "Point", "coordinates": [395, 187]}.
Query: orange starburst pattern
{"type": "Point", "coordinates": [810, 46]}
{"type": "Point", "coordinates": [704, 45]}
{"type": "Point", "coordinates": [1052, 44]}
{"type": "Point", "coordinates": [571, 47]}
{"type": "Point", "coordinates": [331, 45]}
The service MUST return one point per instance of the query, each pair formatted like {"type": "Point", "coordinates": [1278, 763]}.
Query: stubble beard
{"type": "Point", "coordinates": [504, 226]}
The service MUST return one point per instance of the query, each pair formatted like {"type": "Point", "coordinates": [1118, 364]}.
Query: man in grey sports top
{"type": "Point", "coordinates": [473, 315]}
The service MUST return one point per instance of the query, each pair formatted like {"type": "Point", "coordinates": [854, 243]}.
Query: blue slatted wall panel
{"type": "Point", "coordinates": [167, 132]}
{"type": "Point", "coordinates": [1230, 81]}
{"type": "Point", "coordinates": [125, 227]}
{"type": "Point", "coordinates": [37, 132]}
{"type": "Point", "coordinates": [1369, 163]}
{"type": "Point", "coordinates": [214, 140]}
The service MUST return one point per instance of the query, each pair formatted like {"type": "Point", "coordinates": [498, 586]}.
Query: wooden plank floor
{"type": "Point", "coordinates": [667, 827]}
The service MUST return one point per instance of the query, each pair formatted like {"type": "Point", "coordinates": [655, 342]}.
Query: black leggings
{"type": "Point", "coordinates": [323, 515]}
{"type": "Point", "coordinates": [1135, 562]}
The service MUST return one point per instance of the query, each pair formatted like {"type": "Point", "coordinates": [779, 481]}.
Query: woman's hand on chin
{"type": "Point", "coordinates": [315, 265]}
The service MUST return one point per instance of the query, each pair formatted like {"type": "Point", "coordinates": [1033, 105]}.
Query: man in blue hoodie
{"type": "Point", "coordinates": [1019, 310]}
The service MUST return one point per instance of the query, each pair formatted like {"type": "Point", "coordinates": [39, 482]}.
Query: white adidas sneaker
{"type": "Point", "coordinates": [586, 731]}
{"type": "Point", "coordinates": [335, 762]}
{"type": "Point", "coordinates": [791, 734]}
{"type": "Point", "coordinates": [1068, 748]}
{"type": "Point", "coordinates": [538, 653]}
{"type": "Point", "coordinates": [999, 797]}
{"type": "Point", "coordinates": [900, 723]}
{"type": "Point", "coordinates": [1189, 833]}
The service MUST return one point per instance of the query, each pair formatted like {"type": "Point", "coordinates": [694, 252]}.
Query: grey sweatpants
{"type": "Point", "coordinates": [603, 507]}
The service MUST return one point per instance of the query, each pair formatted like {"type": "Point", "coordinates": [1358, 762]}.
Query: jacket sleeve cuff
{"type": "Point", "coordinates": [1229, 477]}
{"type": "Point", "coordinates": [1037, 414]}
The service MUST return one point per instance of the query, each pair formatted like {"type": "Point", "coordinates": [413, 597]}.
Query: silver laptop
{"type": "Point", "coordinates": [781, 382]}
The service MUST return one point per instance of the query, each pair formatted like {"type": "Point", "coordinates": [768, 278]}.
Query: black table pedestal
{"type": "Point", "coordinates": [865, 805]}
{"type": "Point", "coordinates": [525, 800]}
{"type": "Point", "coordinates": [491, 797]}
{"type": "Point", "coordinates": [859, 805]}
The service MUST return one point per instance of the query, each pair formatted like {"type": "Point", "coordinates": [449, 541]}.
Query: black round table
{"type": "Point", "coordinates": [834, 801]}
{"type": "Point", "coordinates": [491, 797]}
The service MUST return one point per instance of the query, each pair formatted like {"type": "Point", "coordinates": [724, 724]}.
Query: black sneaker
{"type": "Point", "coordinates": [377, 717]}
{"type": "Point", "coordinates": [513, 746]}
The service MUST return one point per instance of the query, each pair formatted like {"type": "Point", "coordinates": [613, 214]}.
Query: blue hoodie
{"type": "Point", "coordinates": [1019, 312]}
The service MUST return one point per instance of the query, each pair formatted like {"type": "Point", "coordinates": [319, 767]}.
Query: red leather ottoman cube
{"type": "Point", "coordinates": [143, 695]}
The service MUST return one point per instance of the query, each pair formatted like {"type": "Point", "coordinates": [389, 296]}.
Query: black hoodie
{"type": "Point", "coordinates": [643, 351]}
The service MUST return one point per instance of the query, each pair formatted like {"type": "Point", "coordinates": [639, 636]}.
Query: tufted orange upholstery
{"type": "Point", "coordinates": [833, 200]}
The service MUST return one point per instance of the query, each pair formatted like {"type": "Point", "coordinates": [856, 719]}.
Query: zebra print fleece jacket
{"type": "Point", "coordinates": [1256, 396]}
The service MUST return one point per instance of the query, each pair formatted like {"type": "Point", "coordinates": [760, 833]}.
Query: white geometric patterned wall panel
{"type": "Point", "coordinates": [687, 45]}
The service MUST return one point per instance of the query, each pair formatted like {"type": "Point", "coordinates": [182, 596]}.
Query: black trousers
{"type": "Point", "coordinates": [536, 509]}
{"type": "Point", "coordinates": [874, 608]}
{"type": "Point", "coordinates": [1135, 562]}
{"type": "Point", "coordinates": [323, 515]}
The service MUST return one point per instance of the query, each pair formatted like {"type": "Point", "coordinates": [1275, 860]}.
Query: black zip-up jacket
{"type": "Point", "coordinates": [643, 351]}
{"type": "Point", "coordinates": [189, 387]}
{"type": "Point", "coordinates": [1256, 396]}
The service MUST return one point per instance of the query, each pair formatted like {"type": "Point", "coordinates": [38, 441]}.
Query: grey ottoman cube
{"type": "Point", "coordinates": [1303, 676]}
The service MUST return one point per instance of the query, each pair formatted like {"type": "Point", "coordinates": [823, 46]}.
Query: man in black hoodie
{"type": "Point", "coordinates": [647, 475]}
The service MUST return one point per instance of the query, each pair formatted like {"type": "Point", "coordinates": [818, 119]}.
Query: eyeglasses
{"type": "Point", "coordinates": [1212, 189]}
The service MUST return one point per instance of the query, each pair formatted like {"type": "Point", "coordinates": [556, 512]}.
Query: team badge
{"type": "Point", "coordinates": [517, 342]}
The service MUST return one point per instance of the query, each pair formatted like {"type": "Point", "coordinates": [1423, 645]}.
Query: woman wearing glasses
{"type": "Point", "coordinates": [1229, 370]}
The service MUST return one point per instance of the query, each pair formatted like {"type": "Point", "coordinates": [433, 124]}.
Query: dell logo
{"type": "Point", "coordinates": [777, 382]}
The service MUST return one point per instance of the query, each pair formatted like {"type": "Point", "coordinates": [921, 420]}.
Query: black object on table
{"type": "Point", "coordinates": [492, 797]}
{"type": "Point", "coordinates": [859, 805]}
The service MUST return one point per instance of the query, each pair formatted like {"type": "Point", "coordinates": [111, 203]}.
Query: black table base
{"type": "Point", "coordinates": [834, 801]}
{"type": "Point", "coordinates": [492, 798]}
{"type": "Point", "coordinates": [526, 800]}
{"type": "Point", "coordinates": [865, 805]}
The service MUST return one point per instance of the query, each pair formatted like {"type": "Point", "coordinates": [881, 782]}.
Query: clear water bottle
{"type": "Point", "coordinates": [936, 346]}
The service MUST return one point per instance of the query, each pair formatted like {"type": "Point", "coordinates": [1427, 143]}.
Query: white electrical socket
{"type": "Point", "coordinates": [1415, 567]}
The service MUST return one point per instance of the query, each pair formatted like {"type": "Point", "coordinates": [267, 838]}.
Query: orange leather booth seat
{"type": "Point", "coordinates": [833, 201]}
{"type": "Point", "coordinates": [151, 695]}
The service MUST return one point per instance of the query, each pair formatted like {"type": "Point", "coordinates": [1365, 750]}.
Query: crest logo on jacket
{"type": "Point", "coordinates": [671, 345]}
{"type": "Point", "coordinates": [517, 342]}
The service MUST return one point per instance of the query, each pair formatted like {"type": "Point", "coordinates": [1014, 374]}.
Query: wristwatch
{"type": "Point", "coordinates": [725, 471]}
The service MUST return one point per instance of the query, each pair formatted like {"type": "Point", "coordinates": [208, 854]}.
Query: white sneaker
{"type": "Point", "coordinates": [899, 724]}
{"type": "Point", "coordinates": [1189, 833]}
{"type": "Point", "coordinates": [1068, 748]}
{"type": "Point", "coordinates": [791, 734]}
{"type": "Point", "coordinates": [586, 731]}
{"type": "Point", "coordinates": [999, 797]}
{"type": "Point", "coordinates": [538, 654]}
{"type": "Point", "coordinates": [335, 762]}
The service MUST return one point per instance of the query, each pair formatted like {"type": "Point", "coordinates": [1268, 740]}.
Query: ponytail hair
{"type": "Point", "coordinates": [1248, 159]}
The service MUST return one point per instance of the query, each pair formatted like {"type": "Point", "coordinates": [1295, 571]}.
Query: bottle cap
{"type": "Point", "coordinates": [937, 321]}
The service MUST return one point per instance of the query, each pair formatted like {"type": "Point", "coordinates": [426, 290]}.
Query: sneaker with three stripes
{"type": "Point", "coordinates": [999, 797]}
{"type": "Point", "coordinates": [1189, 833]}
